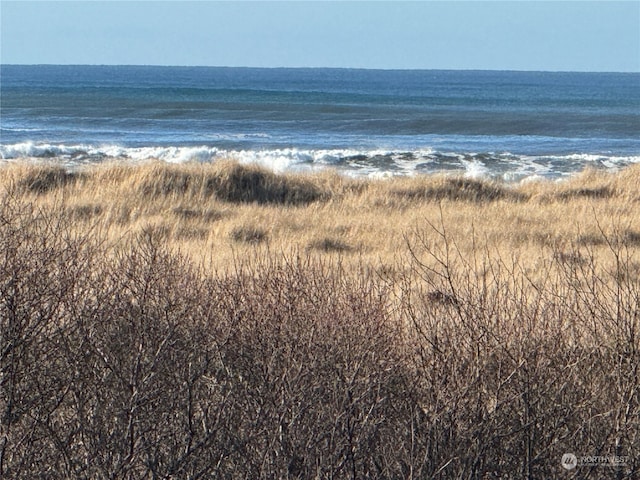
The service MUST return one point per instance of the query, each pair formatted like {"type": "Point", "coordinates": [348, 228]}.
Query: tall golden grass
{"type": "Point", "coordinates": [220, 321]}
{"type": "Point", "coordinates": [233, 210]}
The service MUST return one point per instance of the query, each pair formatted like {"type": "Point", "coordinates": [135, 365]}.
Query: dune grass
{"type": "Point", "coordinates": [232, 209]}
{"type": "Point", "coordinates": [220, 321]}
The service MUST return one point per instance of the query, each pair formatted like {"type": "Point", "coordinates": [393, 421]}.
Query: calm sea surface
{"type": "Point", "coordinates": [511, 125]}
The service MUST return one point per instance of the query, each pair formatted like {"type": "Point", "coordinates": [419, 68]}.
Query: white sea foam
{"type": "Point", "coordinates": [354, 162]}
{"type": "Point", "coordinates": [41, 150]}
{"type": "Point", "coordinates": [474, 168]}
{"type": "Point", "coordinates": [584, 157]}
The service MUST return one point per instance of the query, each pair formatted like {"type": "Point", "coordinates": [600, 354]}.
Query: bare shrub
{"type": "Point", "coordinates": [146, 403]}
{"type": "Point", "coordinates": [124, 360]}
{"type": "Point", "coordinates": [133, 364]}
{"type": "Point", "coordinates": [515, 372]}
{"type": "Point", "coordinates": [42, 266]}
{"type": "Point", "coordinates": [320, 378]}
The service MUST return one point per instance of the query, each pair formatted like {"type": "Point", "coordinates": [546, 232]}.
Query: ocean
{"type": "Point", "coordinates": [505, 125]}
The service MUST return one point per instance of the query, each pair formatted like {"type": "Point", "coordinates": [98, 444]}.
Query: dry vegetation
{"type": "Point", "coordinates": [220, 321]}
{"type": "Point", "coordinates": [217, 213]}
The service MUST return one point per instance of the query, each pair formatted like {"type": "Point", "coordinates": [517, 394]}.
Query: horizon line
{"type": "Point", "coordinates": [312, 68]}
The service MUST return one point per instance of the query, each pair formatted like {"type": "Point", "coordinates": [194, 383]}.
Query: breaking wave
{"type": "Point", "coordinates": [355, 162]}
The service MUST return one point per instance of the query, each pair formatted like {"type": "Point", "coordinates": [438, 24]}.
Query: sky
{"type": "Point", "coordinates": [470, 35]}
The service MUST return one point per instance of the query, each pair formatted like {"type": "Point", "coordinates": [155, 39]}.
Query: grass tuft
{"type": "Point", "coordinates": [85, 212]}
{"type": "Point", "coordinates": [248, 234]}
{"type": "Point", "coordinates": [592, 193]}
{"type": "Point", "coordinates": [229, 182]}
{"type": "Point", "coordinates": [329, 245]}
{"type": "Point", "coordinates": [165, 181]}
{"type": "Point", "coordinates": [461, 189]}
{"type": "Point", "coordinates": [41, 180]}
{"type": "Point", "coordinates": [249, 184]}
{"type": "Point", "coordinates": [193, 214]}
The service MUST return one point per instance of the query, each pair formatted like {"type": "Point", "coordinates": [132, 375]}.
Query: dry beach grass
{"type": "Point", "coordinates": [231, 209]}
{"type": "Point", "coordinates": [221, 321]}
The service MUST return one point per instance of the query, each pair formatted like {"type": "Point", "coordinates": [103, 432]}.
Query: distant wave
{"type": "Point", "coordinates": [355, 162]}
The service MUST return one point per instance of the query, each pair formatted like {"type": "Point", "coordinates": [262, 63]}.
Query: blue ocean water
{"type": "Point", "coordinates": [511, 125]}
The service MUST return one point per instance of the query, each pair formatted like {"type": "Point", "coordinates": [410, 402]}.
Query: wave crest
{"type": "Point", "coordinates": [366, 162]}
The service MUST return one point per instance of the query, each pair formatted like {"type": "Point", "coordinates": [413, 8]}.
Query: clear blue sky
{"type": "Point", "coordinates": [511, 35]}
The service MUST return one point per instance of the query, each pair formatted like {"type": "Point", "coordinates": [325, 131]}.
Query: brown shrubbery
{"type": "Point", "coordinates": [125, 360]}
